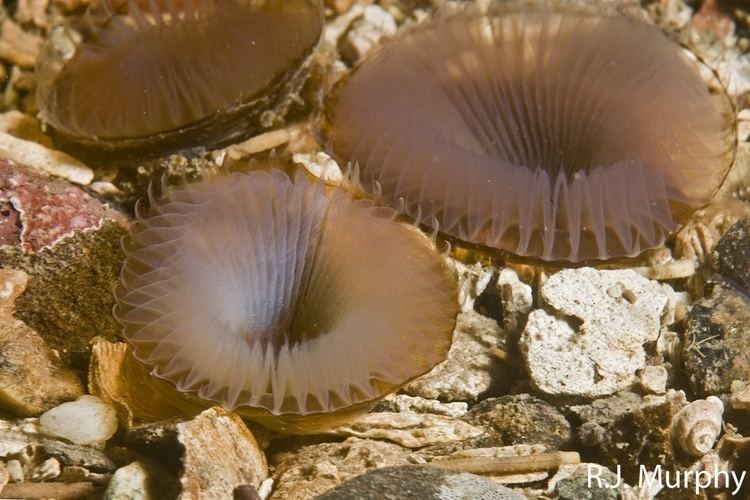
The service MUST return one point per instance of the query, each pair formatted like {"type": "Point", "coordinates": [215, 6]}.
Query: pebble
{"type": "Point", "coordinates": [406, 429]}
{"type": "Point", "coordinates": [731, 257]}
{"type": "Point", "coordinates": [365, 32]}
{"type": "Point", "coordinates": [402, 403]}
{"type": "Point", "coordinates": [141, 480]}
{"type": "Point", "coordinates": [23, 126]}
{"type": "Point", "coordinates": [517, 464]}
{"type": "Point", "coordinates": [73, 455]}
{"type": "Point", "coordinates": [574, 482]}
{"type": "Point", "coordinates": [473, 279]}
{"type": "Point", "coordinates": [414, 482]}
{"type": "Point", "coordinates": [220, 454]}
{"type": "Point", "coordinates": [215, 453]}
{"type": "Point", "coordinates": [85, 421]}
{"type": "Point", "coordinates": [68, 300]}
{"type": "Point", "coordinates": [653, 379]}
{"type": "Point", "coordinates": [4, 476]}
{"type": "Point", "coordinates": [32, 376]}
{"type": "Point", "coordinates": [44, 160]}
{"type": "Point", "coordinates": [18, 46]}
{"type": "Point", "coordinates": [307, 471]}
{"type": "Point", "coordinates": [632, 431]}
{"type": "Point", "coordinates": [32, 11]}
{"type": "Point", "coordinates": [470, 369]}
{"type": "Point", "coordinates": [47, 470]}
{"type": "Point", "coordinates": [520, 419]}
{"type": "Point", "coordinates": [258, 144]}
{"type": "Point", "coordinates": [516, 299]}
{"type": "Point", "coordinates": [45, 210]}
{"type": "Point", "coordinates": [321, 166]}
{"type": "Point", "coordinates": [15, 470]}
{"type": "Point", "coordinates": [716, 350]}
{"type": "Point", "coordinates": [618, 311]}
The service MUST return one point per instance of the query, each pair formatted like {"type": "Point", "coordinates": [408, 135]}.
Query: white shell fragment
{"type": "Point", "coordinates": [85, 421]}
{"type": "Point", "coordinates": [44, 160]}
{"type": "Point", "coordinates": [409, 430]}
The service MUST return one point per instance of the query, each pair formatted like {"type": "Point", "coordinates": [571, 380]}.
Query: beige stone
{"type": "Point", "coordinates": [18, 46]}
{"type": "Point", "coordinates": [311, 470]}
{"type": "Point", "coordinates": [32, 377]}
{"type": "Point", "coordinates": [44, 160]}
{"type": "Point", "coordinates": [220, 454]}
{"type": "Point", "coordinates": [407, 429]}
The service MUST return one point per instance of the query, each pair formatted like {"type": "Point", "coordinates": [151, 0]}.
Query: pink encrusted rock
{"type": "Point", "coordinates": [37, 212]}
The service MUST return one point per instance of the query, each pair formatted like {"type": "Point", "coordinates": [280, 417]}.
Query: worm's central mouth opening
{"type": "Point", "coordinates": [534, 132]}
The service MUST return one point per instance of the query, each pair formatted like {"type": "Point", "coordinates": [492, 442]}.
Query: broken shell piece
{"type": "Point", "coordinates": [697, 426]}
{"type": "Point", "coordinates": [32, 376]}
{"type": "Point", "coordinates": [117, 378]}
{"type": "Point", "coordinates": [86, 421]}
{"type": "Point", "coordinates": [408, 429]}
{"type": "Point", "coordinates": [44, 160]}
{"type": "Point", "coordinates": [500, 465]}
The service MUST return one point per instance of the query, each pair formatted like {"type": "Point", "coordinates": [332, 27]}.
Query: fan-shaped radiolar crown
{"type": "Point", "coordinates": [544, 130]}
{"type": "Point", "coordinates": [170, 74]}
{"type": "Point", "coordinates": [257, 291]}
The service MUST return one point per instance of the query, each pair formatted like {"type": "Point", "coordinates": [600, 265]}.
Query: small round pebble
{"type": "Point", "coordinates": [520, 419]}
{"type": "Point", "coordinates": [587, 482]}
{"type": "Point", "coordinates": [86, 421]}
{"type": "Point", "coordinates": [731, 257]}
{"type": "Point", "coordinates": [716, 350]}
{"type": "Point", "coordinates": [414, 482]}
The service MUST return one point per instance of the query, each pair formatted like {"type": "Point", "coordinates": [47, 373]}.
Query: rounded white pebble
{"type": "Point", "coordinates": [86, 421]}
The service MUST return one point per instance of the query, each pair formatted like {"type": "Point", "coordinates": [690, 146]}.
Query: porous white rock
{"type": "Point", "coordinates": [86, 421]}
{"type": "Point", "coordinates": [597, 350]}
{"type": "Point", "coordinates": [470, 367]}
{"type": "Point", "coordinates": [653, 379]}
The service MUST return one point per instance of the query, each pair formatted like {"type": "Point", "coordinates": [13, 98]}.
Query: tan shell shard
{"type": "Point", "coordinates": [543, 130]}
{"type": "Point", "coordinates": [263, 293]}
{"type": "Point", "coordinates": [116, 377]}
{"type": "Point", "coordinates": [146, 78]}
